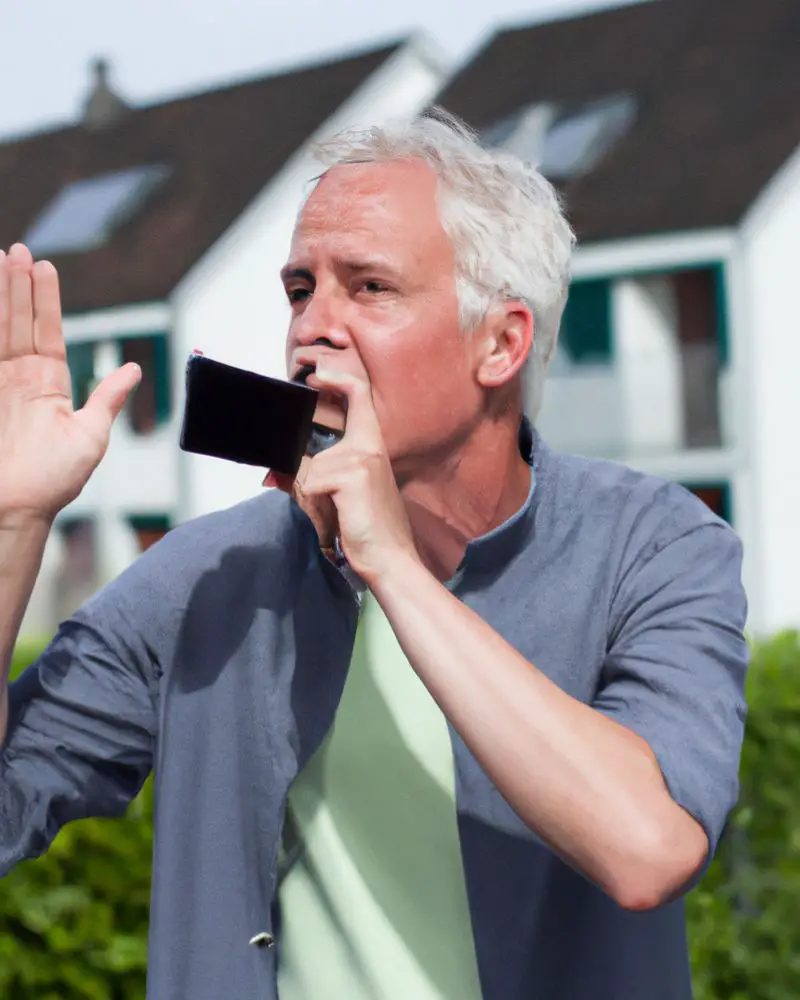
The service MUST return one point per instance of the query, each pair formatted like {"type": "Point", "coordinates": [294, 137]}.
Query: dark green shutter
{"type": "Point", "coordinates": [150, 522]}
{"type": "Point", "coordinates": [80, 359]}
{"type": "Point", "coordinates": [720, 286]}
{"type": "Point", "coordinates": [162, 379]}
{"type": "Point", "coordinates": [586, 325]}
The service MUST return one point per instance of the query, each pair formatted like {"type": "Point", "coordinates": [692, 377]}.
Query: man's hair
{"type": "Point", "coordinates": [509, 233]}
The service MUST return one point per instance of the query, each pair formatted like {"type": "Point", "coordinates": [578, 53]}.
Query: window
{"type": "Point", "coordinates": [702, 311]}
{"type": "Point", "coordinates": [565, 142]}
{"type": "Point", "coordinates": [150, 405]}
{"type": "Point", "coordinates": [83, 215]}
{"type": "Point", "coordinates": [500, 132]}
{"type": "Point", "coordinates": [702, 336]}
{"type": "Point", "coordinates": [522, 132]}
{"type": "Point", "coordinates": [80, 359]}
{"type": "Point", "coordinates": [576, 143]}
{"type": "Point", "coordinates": [149, 528]}
{"type": "Point", "coordinates": [716, 496]}
{"type": "Point", "coordinates": [586, 323]}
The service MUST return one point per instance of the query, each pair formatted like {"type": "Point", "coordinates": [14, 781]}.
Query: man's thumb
{"type": "Point", "coordinates": [108, 398]}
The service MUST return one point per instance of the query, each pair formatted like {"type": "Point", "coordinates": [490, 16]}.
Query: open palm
{"type": "Point", "coordinates": [48, 450]}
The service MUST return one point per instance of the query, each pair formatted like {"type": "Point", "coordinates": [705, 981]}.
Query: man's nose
{"type": "Point", "coordinates": [321, 322]}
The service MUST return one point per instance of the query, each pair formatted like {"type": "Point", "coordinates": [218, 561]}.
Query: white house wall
{"type": "Point", "coordinates": [648, 361]}
{"type": "Point", "coordinates": [770, 252]}
{"type": "Point", "coordinates": [232, 305]}
{"type": "Point", "coordinates": [582, 410]}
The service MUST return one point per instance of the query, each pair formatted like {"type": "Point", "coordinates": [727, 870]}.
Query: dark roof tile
{"type": "Point", "coordinates": [222, 146]}
{"type": "Point", "coordinates": [719, 92]}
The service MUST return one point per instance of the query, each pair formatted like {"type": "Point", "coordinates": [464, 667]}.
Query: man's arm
{"type": "Point", "coordinates": [47, 450]}
{"type": "Point", "coordinates": [22, 542]}
{"type": "Point", "coordinates": [588, 786]}
{"type": "Point", "coordinates": [632, 790]}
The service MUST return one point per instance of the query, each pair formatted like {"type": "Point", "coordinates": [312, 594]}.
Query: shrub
{"type": "Point", "coordinates": [744, 918]}
{"type": "Point", "coordinates": [73, 923]}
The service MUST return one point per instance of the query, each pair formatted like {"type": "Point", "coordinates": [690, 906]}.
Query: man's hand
{"type": "Point", "coordinates": [47, 450]}
{"type": "Point", "coordinates": [350, 489]}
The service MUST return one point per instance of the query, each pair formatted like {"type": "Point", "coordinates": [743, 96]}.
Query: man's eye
{"type": "Point", "coordinates": [374, 287]}
{"type": "Point", "coordinates": [297, 294]}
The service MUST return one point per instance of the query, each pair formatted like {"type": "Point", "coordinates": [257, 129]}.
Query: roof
{"type": "Point", "coordinates": [718, 94]}
{"type": "Point", "coordinates": [221, 147]}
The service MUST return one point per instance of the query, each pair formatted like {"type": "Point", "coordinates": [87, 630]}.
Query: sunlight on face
{"type": "Point", "coordinates": [371, 276]}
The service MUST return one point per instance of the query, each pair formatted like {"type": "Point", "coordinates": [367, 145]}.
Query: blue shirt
{"type": "Point", "coordinates": [218, 659]}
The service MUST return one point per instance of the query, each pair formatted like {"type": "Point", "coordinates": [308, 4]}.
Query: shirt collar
{"type": "Point", "coordinates": [488, 554]}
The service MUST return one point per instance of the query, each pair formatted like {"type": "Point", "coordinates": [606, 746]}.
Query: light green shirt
{"type": "Point", "coordinates": [375, 906]}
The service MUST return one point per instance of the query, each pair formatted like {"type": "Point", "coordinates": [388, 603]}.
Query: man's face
{"type": "Point", "coordinates": [371, 278]}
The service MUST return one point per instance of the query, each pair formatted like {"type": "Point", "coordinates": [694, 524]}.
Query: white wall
{"type": "Point", "coordinates": [232, 306]}
{"type": "Point", "coordinates": [647, 357]}
{"type": "Point", "coordinates": [582, 409]}
{"type": "Point", "coordinates": [771, 256]}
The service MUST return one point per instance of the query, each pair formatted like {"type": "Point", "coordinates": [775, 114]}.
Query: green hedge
{"type": "Point", "coordinates": [73, 924]}
{"type": "Point", "coordinates": [744, 918]}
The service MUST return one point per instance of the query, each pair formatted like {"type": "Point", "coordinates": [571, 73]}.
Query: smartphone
{"type": "Point", "coordinates": [247, 418]}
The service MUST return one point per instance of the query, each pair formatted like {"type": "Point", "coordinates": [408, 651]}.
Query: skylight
{"type": "Point", "coordinates": [523, 132]}
{"type": "Point", "coordinates": [84, 214]}
{"type": "Point", "coordinates": [575, 144]}
{"type": "Point", "coordinates": [564, 144]}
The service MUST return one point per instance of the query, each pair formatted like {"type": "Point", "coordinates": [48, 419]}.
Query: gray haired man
{"type": "Point", "coordinates": [484, 751]}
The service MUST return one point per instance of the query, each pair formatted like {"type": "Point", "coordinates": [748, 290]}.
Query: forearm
{"type": "Point", "coordinates": [586, 785]}
{"type": "Point", "coordinates": [22, 543]}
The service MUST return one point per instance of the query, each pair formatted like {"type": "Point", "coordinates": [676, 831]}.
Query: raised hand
{"type": "Point", "coordinates": [48, 450]}
{"type": "Point", "coordinates": [350, 489]}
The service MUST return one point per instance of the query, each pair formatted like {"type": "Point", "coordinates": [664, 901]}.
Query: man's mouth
{"type": "Point", "coordinates": [301, 376]}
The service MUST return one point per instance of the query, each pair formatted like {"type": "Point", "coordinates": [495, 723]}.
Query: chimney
{"type": "Point", "coordinates": [103, 107]}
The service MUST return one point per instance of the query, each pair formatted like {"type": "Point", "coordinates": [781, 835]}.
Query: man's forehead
{"type": "Point", "coordinates": [380, 175]}
{"type": "Point", "coordinates": [355, 202]}
{"type": "Point", "coordinates": [371, 189]}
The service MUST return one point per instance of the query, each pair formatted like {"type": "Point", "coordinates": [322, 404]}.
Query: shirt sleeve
{"type": "Point", "coordinates": [82, 723]}
{"type": "Point", "coordinates": [676, 665]}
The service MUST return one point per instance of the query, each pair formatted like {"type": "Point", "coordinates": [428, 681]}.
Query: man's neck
{"type": "Point", "coordinates": [480, 488]}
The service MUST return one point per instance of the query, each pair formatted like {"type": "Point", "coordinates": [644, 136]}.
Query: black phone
{"type": "Point", "coordinates": [244, 417]}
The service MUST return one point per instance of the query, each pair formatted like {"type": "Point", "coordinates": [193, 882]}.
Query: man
{"type": "Point", "coordinates": [535, 662]}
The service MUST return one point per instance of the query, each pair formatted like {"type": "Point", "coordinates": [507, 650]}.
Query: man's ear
{"type": "Point", "coordinates": [506, 343]}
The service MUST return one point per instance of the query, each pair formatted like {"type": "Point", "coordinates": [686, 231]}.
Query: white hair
{"type": "Point", "coordinates": [509, 233]}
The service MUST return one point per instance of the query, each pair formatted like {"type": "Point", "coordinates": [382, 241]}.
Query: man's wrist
{"type": "Point", "coordinates": [401, 570]}
{"type": "Point", "coordinates": [24, 522]}
{"type": "Point", "coordinates": [23, 537]}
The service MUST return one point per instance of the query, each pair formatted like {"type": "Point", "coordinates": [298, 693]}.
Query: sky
{"type": "Point", "coordinates": [162, 48]}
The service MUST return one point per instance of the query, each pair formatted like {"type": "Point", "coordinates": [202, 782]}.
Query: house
{"type": "Point", "coordinates": [168, 225]}
{"type": "Point", "coordinates": [672, 128]}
